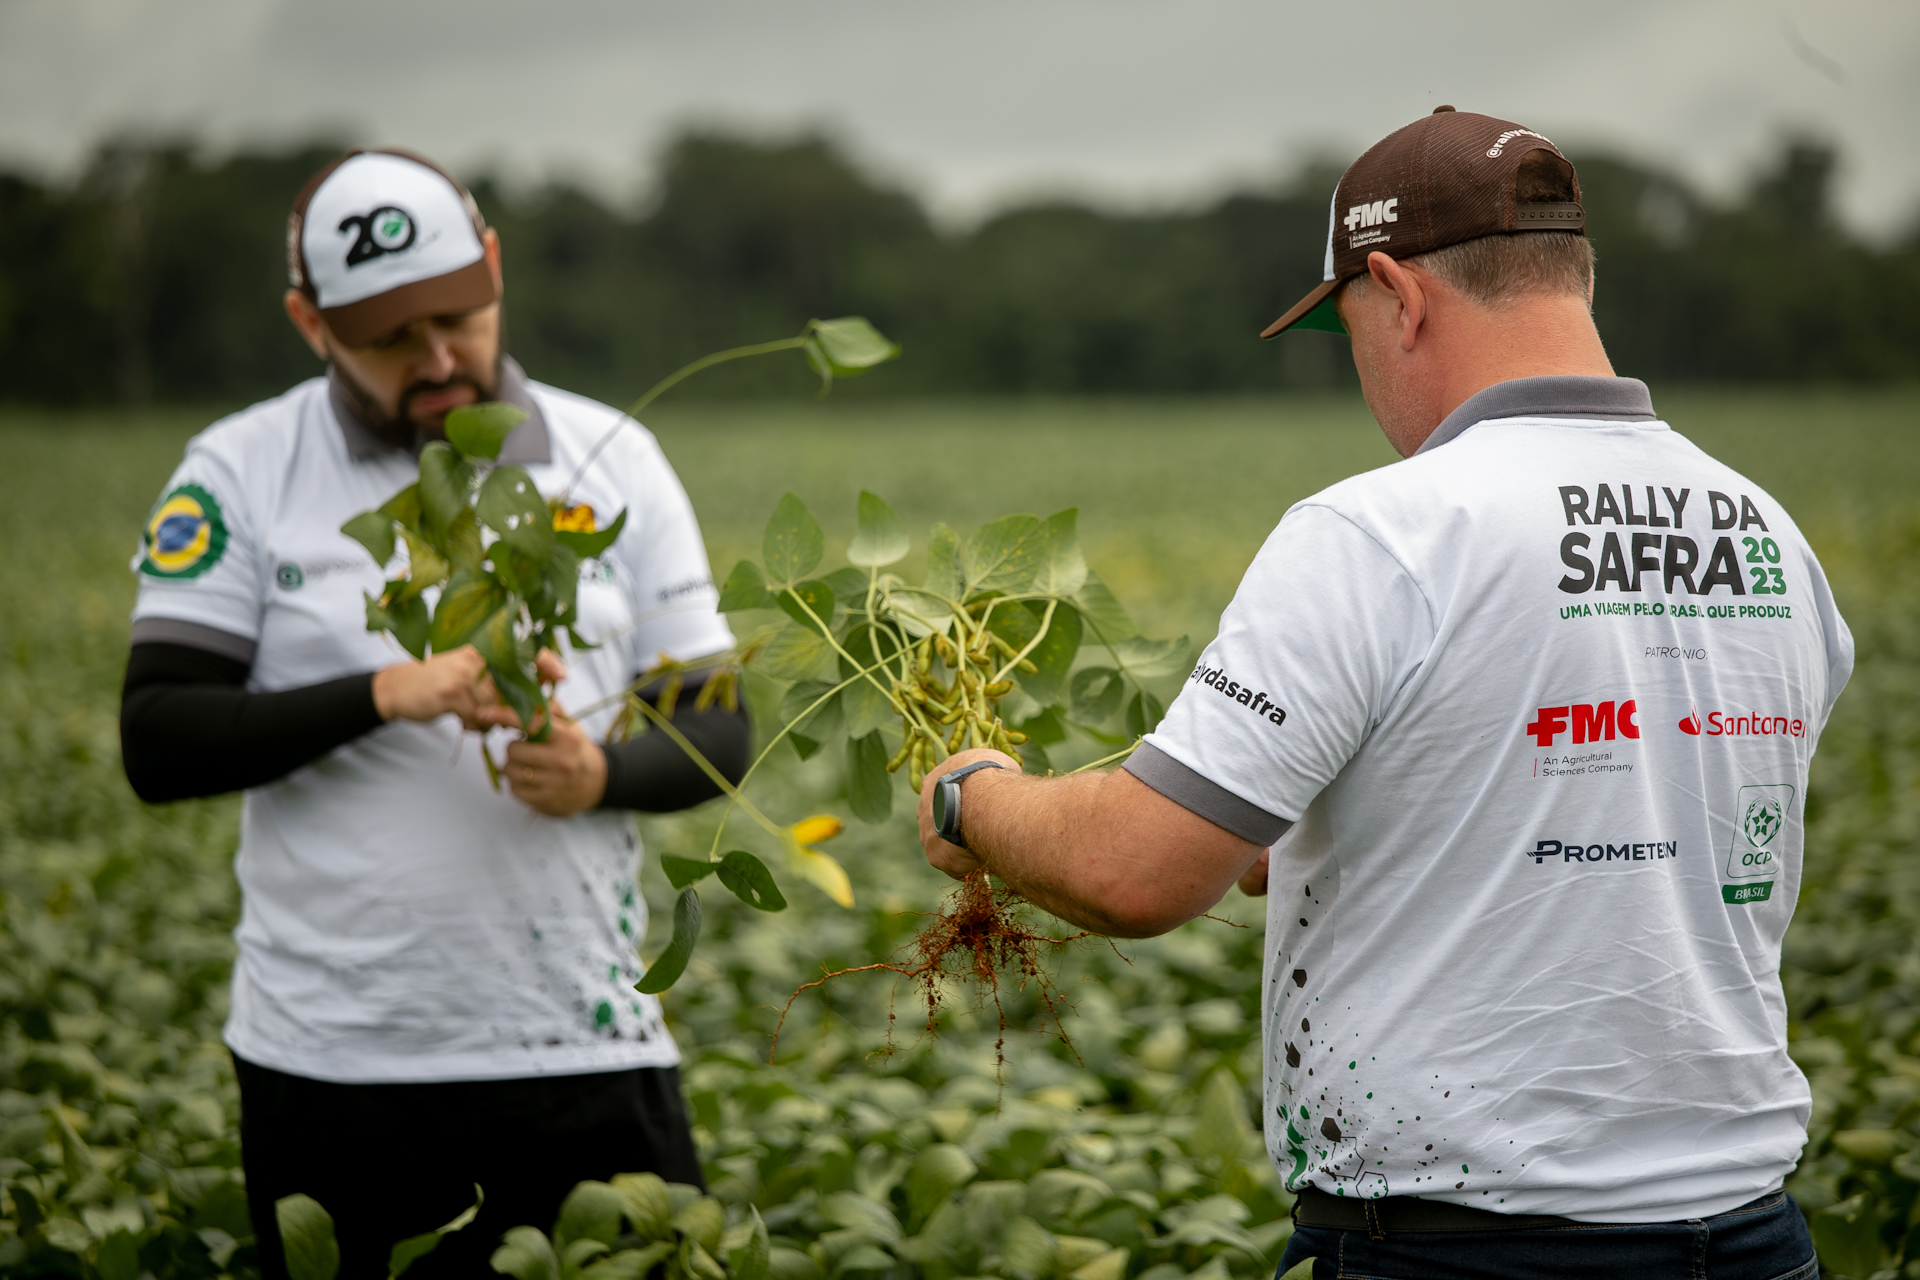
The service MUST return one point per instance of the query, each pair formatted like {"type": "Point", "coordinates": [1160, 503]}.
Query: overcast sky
{"type": "Point", "coordinates": [973, 103]}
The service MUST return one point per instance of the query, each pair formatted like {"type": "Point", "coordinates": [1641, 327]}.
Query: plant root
{"type": "Point", "coordinates": [977, 940]}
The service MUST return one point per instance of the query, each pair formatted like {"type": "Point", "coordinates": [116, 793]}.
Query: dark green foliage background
{"type": "Point", "coordinates": [115, 946]}
{"type": "Point", "coordinates": [157, 278]}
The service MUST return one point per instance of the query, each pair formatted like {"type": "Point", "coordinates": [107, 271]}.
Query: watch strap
{"type": "Point", "coordinates": [950, 829]}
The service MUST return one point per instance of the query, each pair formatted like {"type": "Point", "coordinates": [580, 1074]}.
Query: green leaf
{"type": "Point", "coordinates": [526, 1254]}
{"type": "Point", "coordinates": [797, 653]}
{"type": "Point", "coordinates": [404, 507]}
{"type": "Point", "coordinates": [703, 1221]}
{"type": "Point", "coordinates": [1064, 570]}
{"type": "Point", "coordinates": [813, 596]}
{"type": "Point", "coordinates": [578, 1253]}
{"type": "Point", "coordinates": [682, 872]}
{"type": "Point", "coordinates": [464, 605]}
{"type": "Point", "coordinates": [478, 430]}
{"type": "Point", "coordinates": [445, 481]}
{"type": "Point", "coordinates": [818, 723]}
{"type": "Point", "coordinates": [1302, 1270]}
{"type": "Point", "coordinates": [497, 643]}
{"type": "Point", "coordinates": [563, 585]}
{"type": "Point", "coordinates": [1096, 693]}
{"type": "Point", "coordinates": [649, 1205]}
{"type": "Point", "coordinates": [118, 1257]}
{"type": "Point", "coordinates": [1221, 1128]}
{"type": "Point", "coordinates": [850, 586]}
{"type": "Point", "coordinates": [869, 785]}
{"type": "Point", "coordinates": [373, 531]}
{"type": "Point", "coordinates": [943, 562]}
{"type": "Point", "coordinates": [750, 1258]}
{"type": "Point", "coordinates": [591, 1211]}
{"type": "Point", "coordinates": [864, 707]}
{"type": "Point", "coordinates": [881, 539]}
{"type": "Point", "coordinates": [406, 618]}
{"type": "Point", "coordinates": [1847, 1237]}
{"type": "Point", "coordinates": [938, 1171]}
{"type": "Point", "coordinates": [589, 545]}
{"type": "Point", "coordinates": [426, 567]}
{"type": "Point", "coordinates": [1103, 612]}
{"type": "Point", "coordinates": [511, 506]}
{"type": "Point", "coordinates": [851, 345]}
{"type": "Point", "coordinates": [793, 544]}
{"type": "Point", "coordinates": [666, 971]}
{"type": "Point", "coordinates": [1143, 714]}
{"type": "Point", "coordinates": [629, 1264]}
{"type": "Point", "coordinates": [747, 878]}
{"type": "Point", "coordinates": [1147, 659]}
{"type": "Point", "coordinates": [462, 541]}
{"type": "Point", "coordinates": [1005, 555]}
{"type": "Point", "coordinates": [411, 1250]}
{"type": "Point", "coordinates": [306, 1238]}
{"type": "Point", "coordinates": [1018, 624]}
{"type": "Point", "coordinates": [745, 588]}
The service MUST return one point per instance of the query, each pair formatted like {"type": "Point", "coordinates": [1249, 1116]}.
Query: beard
{"type": "Point", "coordinates": [400, 429]}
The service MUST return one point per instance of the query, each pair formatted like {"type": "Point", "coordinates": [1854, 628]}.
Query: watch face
{"type": "Point", "coordinates": [941, 790]}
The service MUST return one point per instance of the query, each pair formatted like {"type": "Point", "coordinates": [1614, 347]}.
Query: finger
{"type": "Point", "coordinates": [1253, 881]}
{"type": "Point", "coordinates": [548, 664]}
{"type": "Point", "coordinates": [495, 716]}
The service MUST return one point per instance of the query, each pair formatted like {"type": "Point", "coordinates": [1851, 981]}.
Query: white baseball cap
{"type": "Point", "coordinates": [381, 238]}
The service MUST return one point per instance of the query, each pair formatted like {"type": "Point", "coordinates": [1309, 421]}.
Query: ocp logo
{"type": "Point", "coordinates": [1760, 815]}
{"type": "Point", "coordinates": [388, 229]}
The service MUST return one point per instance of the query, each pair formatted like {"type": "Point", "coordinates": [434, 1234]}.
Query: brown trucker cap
{"type": "Point", "coordinates": [1445, 178]}
{"type": "Point", "coordinates": [381, 238]}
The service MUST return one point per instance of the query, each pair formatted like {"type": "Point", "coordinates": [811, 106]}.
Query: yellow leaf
{"type": "Point", "coordinates": [818, 870]}
{"type": "Point", "coordinates": [822, 826]}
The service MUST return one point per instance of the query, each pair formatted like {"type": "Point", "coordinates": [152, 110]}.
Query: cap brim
{"type": "Point", "coordinates": [467, 289]}
{"type": "Point", "coordinates": [1315, 311]}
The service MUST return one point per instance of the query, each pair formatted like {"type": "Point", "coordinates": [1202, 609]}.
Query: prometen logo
{"type": "Point", "coordinates": [1216, 679]}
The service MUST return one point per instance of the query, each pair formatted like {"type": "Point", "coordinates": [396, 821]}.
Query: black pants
{"type": "Point", "coordinates": [390, 1161]}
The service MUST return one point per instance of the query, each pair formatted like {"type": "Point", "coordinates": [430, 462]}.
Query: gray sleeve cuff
{"type": "Point", "coordinates": [195, 636]}
{"type": "Point", "coordinates": [1203, 796]}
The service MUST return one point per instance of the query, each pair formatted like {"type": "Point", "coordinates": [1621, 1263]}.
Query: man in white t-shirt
{"type": "Point", "coordinates": [1515, 732]}
{"type": "Point", "coordinates": [435, 979]}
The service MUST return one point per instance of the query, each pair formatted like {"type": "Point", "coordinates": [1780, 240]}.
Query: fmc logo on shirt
{"type": "Point", "coordinates": [1590, 723]}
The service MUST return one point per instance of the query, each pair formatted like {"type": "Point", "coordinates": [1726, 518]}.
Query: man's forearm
{"type": "Point", "coordinates": [1102, 850]}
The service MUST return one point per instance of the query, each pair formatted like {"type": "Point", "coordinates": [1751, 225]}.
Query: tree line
{"type": "Point", "coordinates": [156, 277]}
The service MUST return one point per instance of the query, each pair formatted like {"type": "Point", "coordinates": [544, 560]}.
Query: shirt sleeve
{"type": "Point", "coordinates": [674, 600]}
{"type": "Point", "coordinates": [199, 560]}
{"type": "Point", "coordinates": [1324, 632]}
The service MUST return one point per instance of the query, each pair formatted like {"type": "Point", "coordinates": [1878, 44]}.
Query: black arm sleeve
{"type": "Point", "coordinates": [189, 727]}
{"type": "Point", "coordinates": [652, 774]}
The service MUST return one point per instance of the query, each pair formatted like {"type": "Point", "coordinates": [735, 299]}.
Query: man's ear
{"type": "Point", "coordinates": [491, 243]}
{"type": "Point", "coordinates": [1405, 288]}
{"type": "Point", "coordinates": [307, 319]}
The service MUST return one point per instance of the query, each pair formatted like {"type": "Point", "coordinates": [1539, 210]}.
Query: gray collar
{"type": "Point", "coordinates": [1555, 396]}
{"type": "Point", "coordinates": [528, 443]}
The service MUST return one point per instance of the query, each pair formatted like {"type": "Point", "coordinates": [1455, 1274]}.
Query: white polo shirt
{"type": "Point", "coordinates": [1537, 704]}
{"type": "Point", "coordinates": [401, 920]}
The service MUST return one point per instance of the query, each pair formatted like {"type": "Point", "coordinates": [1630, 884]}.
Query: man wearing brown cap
{"type": "Point", "coordinates": [1467, 723]}
{"type": "Point", "coordinates": [435, 980]}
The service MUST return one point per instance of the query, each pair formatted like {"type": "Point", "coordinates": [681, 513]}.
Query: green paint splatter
{"type": "Point", "coordinates": [613, 973]}
{"type": "Point", "coordinates": [602, 1013]}
{"type": "Point", "coordinates": [1351, 1066]}
{"type": "Point", "coordinates": [1464, 1169]}
{"type": "Point", "coordinates": [626, 926]}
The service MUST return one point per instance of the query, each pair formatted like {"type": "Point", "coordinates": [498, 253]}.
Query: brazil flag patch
{"type": "Point", "coordinates": [186, 535]}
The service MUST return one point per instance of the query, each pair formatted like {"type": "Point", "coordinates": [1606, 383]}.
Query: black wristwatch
{"type": "Point", "coordinates": [946, 801]}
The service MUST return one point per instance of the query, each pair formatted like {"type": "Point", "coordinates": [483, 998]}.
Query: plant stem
{"type": "Point", "coordinates": [1122, 753]}
{"type": "Point", "coordinates": [681, 374]}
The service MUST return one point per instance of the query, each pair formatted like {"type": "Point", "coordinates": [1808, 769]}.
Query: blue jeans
{"type": "Point", "coordinates": [1765, 1239]}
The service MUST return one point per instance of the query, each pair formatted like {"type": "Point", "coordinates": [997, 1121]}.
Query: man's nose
{"type": "Point", "coordinates": [437, 362]}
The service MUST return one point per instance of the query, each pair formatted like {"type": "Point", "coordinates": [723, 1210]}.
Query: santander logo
{"type": "Point", "coordinates": [1718, 724]}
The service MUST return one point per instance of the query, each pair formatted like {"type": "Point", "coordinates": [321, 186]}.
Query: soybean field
{"type": "Point", "coordinates": [1131, 1149]}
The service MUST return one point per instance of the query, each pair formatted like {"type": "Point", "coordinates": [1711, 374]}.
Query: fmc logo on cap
{"type": "Point", "coordinates": [382, 239]}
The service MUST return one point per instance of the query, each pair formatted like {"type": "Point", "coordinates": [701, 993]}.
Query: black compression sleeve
{"type": "Point", "coordinates": [652, 774]}
{"type": "Point", "coordinates": [189, 726]}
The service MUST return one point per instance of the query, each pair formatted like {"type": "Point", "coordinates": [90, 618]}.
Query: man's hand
{"type": "Point", "coordinates": [565, 775]}
{"type": "Point", "coordinates": [446, 684]}
{"type": "Point", "coordinates": [951, 858]}
{"type": "Point", "coordinates": [1254, 882]}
